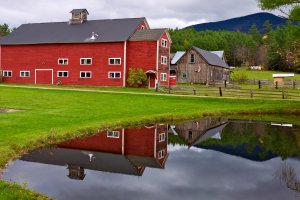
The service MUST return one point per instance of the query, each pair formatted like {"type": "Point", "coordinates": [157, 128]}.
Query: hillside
{"type": "Point", "coordinates": [242, 24]}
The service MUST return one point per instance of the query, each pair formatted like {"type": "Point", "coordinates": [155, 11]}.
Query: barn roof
{"type": "Point", "coordinates": [148, 35]}
{"type": "Point", "coordinates": [211, 58]}
{"type": "Point", "coordinates": [177, 56]}
{"type": "Point", "coordinates": [109, 30]}
{"type": "Point", "coordinates": [219, 53]}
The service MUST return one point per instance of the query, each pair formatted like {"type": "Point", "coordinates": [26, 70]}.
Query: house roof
{"type": "Point", "coordinates": [211, 58]}
{"type": "Point", "coordinates": [218, 53]}
{"type": "Point", "coordinates": [177, 56]}
{"type": "Point", "coordinates": [148, 35]}
{"type": "Point", "coordinates": [109, 30]}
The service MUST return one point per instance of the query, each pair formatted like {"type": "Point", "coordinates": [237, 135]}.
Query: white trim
{"type": "Point", "coordinates": [157, 60]}
{"type": "Point", "coordinates": [62, 76]}
{"type": "Point", "coordinates": [24, 72]}
{"type": "Point", "coordinates": [63, 60]}
{"type": "Point", "coordinates": [164, 78]}
{"type": "Point", "coordinates": [114, 60]}
{"type": "Point", "coordinates": [164, 60]}
{"type": "Point", "coordinates": [113, 132]}
{"type": "Point", "coordinates": [123, 141]}
{"type": "Point", "coordinates": [0, 56]}
{"type": "Point", "coordinates": [283, 75]}
{"type": "Point", "coordinates": [7, 72]}
{"type": "Point", "coordinates": [161, 154]}
{"type": "Point", "coordinates": [86, 59]}
{"type": "Point", "coordinates": [114, 75]}
{"type": "Point", "coordinates": [124, 71]}
{"type": "Point", "coordinates": [42, 70]}
{"type": "Point", "coordinates": [163, 137]}
{"type": "Point", "coordinates": [85, 74]}
{"type": "Point", "coordinates": [155, 132]}
{"type": "Point", "coordinates": [164, 41]}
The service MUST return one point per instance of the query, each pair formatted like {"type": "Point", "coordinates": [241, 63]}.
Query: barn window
{"type": "Point", "coordinates": [85, 61]}
{"type": "Point", "coordinates": [164, 43]}
{"type": "Point", "coordinates": [62, 74]}
{"type": "Point", "coordinates": [7, 73]}
{"type": "Point", "coordinates": [63, 61]}
{"type": "Point", "coordinates": [114, 61]}
{"type": "Point", "coordinates": [161, 154]}
{"type": "Point", "coordinates": [114, 74]}
{"type": "Point", "coordinates": [163, 76]}
{"type": "Point", "coordinates": [85, 74]}
{"type": "Point", "coordinates": [24, 73]}
{"type": "Point", "coordinates": [113, 134]}
{"type": "Point", "coordinates": [190, 135]}
{"type": "Point", "coordinates": [184, 75]}
{"type": "Point", "coordinates": [164, 60]}
{"type": "Point", "coordinates": [143, 27]}
{"type": "Point", "coordinates": [192, 58]}
{"type": "Point", "coordinates": [162, 137]}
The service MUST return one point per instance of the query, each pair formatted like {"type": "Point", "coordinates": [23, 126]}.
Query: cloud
{"type": "Point", "coordinates": [167, 13]}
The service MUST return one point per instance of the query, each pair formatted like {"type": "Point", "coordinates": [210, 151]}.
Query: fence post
{"type": "Point", "coordinates": [259, 84]}
{"type": "Point", "coordinates": [169, 89]}
{"type": "Point", "coordinates": [194, 91]}
{"type": "Point", "coordinates": [251, 93]}
{"type": "Point", "coordinates": [283, 95]}
{"type": "Point", "coordinates": [156, 88]}
{"type": "Point", "coordinates": [294, 84]}
{"type": "Point", "coordinates": [220, 91]}
{"type": "Point", "coordinates": [276, 84]}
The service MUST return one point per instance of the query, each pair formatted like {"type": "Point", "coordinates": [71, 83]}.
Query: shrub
{"type": "Point", "coordinates": [239, 77]}
{"type": "Point", "coordinates": [137, 78]}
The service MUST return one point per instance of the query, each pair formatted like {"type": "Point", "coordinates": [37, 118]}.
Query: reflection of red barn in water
{"type": "Point", "coordinates": [127, 151]}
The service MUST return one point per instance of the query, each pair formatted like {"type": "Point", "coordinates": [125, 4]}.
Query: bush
{"type": "Point", "coordinates": [239, 77]}
{"type": "Point", "coordinates": [137, 78]}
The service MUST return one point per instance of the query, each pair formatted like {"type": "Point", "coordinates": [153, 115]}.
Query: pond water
{"type": "Point", "coordinates": [213, 158]}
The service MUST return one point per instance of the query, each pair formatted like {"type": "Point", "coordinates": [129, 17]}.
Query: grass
{"type": "Point", "coordinates": [262, 74]}
{"type": "Point", "coordinates": [50, 116]}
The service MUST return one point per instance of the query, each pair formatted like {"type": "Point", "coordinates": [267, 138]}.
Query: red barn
{"type": "Point", "coordinates": [85, 52]}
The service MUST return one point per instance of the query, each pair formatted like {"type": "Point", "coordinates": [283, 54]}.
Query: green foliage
{"type": "Point", "coordinates": [4, 30]}
{"type": "Point", "coordinates": [239, 76]}
{"type": "Point", "coordinates": [294, 12]}
{"type": "Point", "coordinates": [137, 78]}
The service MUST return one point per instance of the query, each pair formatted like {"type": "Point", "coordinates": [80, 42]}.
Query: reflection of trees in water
{"type": "Point", "coordinates": [288, 176]}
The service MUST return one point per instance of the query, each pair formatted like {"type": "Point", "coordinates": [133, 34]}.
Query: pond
{"type": "Point", "coordinates": [213, 158]}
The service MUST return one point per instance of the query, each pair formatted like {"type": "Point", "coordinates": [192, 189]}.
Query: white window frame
{"type": "Point", "coordinates": [85, 74]}
{"type": "Point", "coordinates": [164, 42]}
{"type": "Point", "coordinates": [24, 74]}
{"type": "Point", "coordinates": [115, 75]}
{"type": "Point", "coordinates": [164, 60]}
{"type": "Point", "coordinates": [62, 74]}
{"type": "Point", "coordinates": [86, 59]}
{"type": "Point", "coordinates": [161, 154]}
{"type": "Point", "coordinates": [162, 137]}
{"type": "Point", "coordinates": [114, 61]}
{"type": "Point", "coordinates": [63, 59]}
{"type": "Point", "coordinates": [163, 77]}
{"type": "Point", "coordinates": [5, 73]}
{"type": "Point", "coordinates": [115, 134]}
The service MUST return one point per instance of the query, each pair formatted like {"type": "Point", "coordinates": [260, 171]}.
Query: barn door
{"type": "Point", "coordinates": [44, 76]}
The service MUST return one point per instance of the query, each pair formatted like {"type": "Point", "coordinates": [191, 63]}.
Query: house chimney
{"type": "Point", "coordinates": [79, 16]}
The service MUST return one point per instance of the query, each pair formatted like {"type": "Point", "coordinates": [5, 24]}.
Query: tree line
{"type": "Point", "coordinates": [276, 49]}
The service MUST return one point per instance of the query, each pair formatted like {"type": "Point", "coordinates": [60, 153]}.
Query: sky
{"type": "Point", "coordinates": [159, 13]}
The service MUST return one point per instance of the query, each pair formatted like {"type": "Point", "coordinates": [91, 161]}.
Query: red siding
{"type": "Point", "coordinates": [31, 57]}
{"type": "Point", "coordinates": [164, 51]}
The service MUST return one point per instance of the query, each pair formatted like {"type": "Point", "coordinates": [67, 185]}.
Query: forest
{"type": "Point", "coordinates": [276, 49]}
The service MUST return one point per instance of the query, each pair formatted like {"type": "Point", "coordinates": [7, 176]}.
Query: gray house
{"type": "Point", "coordinates": [199, 66]}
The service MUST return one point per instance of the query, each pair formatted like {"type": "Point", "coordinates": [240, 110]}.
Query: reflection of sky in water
{"type": "Point", "coordinates": [189, 174]}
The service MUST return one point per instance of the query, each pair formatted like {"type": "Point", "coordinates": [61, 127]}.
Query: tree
{"type": "Point", "coordinates": [293, 13]}
{"type": "Point", "coordinates": [253, 31]}
{"type": "Point", "coordinates": [4, 30]}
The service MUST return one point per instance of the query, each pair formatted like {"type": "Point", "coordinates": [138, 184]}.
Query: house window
{"type": "Point", "coordinates": [113, 134]}
{"type": "Point", "coordinates": [114, 74]}
{"type": "Point", "coordinates": [164, 43]}
{"type": "Point", "coordinates": [161, 154]}
{"type": "Point", "coordinates": [63, 61]}
{"type": "Point", "coordinates": [162, 137]}
{"type": "Point", "coordinates": [143, 27]}
{"type": "Point", "coordinates": [184, 75]}
{"type": "Point", "coordinates": [190, 135]}
{"type": "Point", "coordinates": [7, 73]}
{"type": "Point", "coordinates": [85, 74]}
{"type": "Point", "coordinates": [163, 76]}
{"type": "Point", "coordinates": [24, 73]}
{"type": "Point", "coordinates": [164, 60]}
{"type": "Point", "coordinates": [85, 61]}
{"type": "Point", "coordinates": [62, 74]}
{"type": "Point", "coordinates": [192, 58]}
{"type": "Point", "coordinates": [114, 61]}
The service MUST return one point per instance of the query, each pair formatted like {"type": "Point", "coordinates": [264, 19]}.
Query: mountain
{"type": "Point", "coordinates": [242, 24]}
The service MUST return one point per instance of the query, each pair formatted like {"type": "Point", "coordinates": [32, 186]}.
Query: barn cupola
{"type": "Point", "coordinates": [79, 16]}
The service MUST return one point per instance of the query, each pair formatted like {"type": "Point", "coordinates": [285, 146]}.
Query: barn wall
{"type": "Point", "coordinates": [164, 51]}
{"type": "Point", "coordinates": [45, 56]}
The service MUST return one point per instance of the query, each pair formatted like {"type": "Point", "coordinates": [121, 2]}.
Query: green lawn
{"type": "Point", "coordinates": [49, 116]}
{"type": "Point", "coordinates": [257, 74]}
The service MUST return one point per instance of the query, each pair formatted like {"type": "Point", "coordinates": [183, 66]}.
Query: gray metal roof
{"type": "Point", "coordinates": [148, 35]}
{"type": "Point", "coordinates": [109, 30]}
{"type": "Point", "coordinates": [79, 10]}
{"type": "Point", "coordinates": [211, 58]}
{"type": "Point", "coordinates": [177, 56]}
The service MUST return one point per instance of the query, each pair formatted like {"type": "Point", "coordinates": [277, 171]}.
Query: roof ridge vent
{"type": "Point", "coordinates": [94, 36]}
